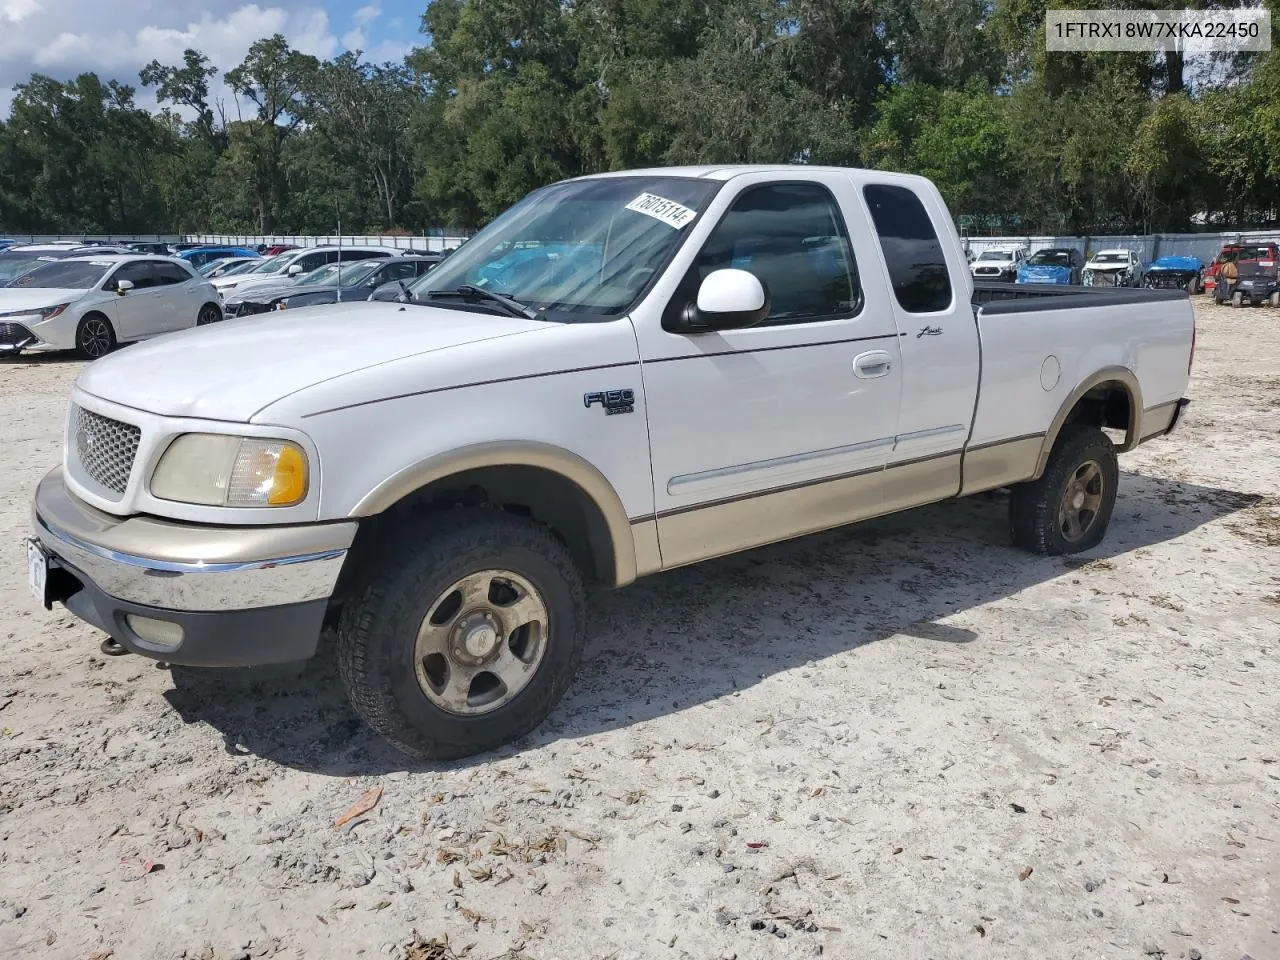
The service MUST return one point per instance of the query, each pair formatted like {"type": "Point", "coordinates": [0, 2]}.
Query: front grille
{"type": "Point", "coordinates": [105, 448]}
{"type": "Point", "coordinates": [988, 271]}
{"type": "Point", "coordinates": [12, 334]}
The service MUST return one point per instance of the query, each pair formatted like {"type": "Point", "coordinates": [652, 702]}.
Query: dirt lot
{"type": "Point", "coordinates": [903, 739]}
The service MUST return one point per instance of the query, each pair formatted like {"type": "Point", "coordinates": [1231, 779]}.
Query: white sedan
{"type": "Point", "coordinates": [92, 304]}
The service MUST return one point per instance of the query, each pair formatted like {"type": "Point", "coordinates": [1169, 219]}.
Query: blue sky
{"type": "Point", "coordinates": [115, 38]}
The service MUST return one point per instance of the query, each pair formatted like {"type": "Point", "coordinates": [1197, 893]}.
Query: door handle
{"type": "Point", "coordinates": [875, 363]}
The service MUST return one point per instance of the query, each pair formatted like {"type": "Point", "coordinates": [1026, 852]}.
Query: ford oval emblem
{"type": "Point", "coordinates": [84, 442]}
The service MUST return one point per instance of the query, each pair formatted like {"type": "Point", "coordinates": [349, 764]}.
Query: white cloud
{"type": "Point", "coordinates": [357, 38]}
{"type": "Point", "coordinates": [66, 37]}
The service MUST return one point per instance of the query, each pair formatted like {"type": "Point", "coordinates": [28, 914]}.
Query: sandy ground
{"type": "Point", "coordinates": [904, 739]}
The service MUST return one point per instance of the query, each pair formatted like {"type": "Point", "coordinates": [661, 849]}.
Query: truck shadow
{"type": "Point", "coordinates": [690, 636]}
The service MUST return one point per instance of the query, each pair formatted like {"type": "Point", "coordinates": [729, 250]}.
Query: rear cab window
{"type": "Point", "coordinates": [912, 251]}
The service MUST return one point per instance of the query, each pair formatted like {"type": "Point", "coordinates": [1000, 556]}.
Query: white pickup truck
{"type": "Point", "coordinates": [620, 375]}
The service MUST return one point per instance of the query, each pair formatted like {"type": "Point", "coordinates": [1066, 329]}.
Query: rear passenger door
{"type": "Point", "coordinates": [939, 342]}
{"type": "Point", "coordinates": [178, 295]}
{"type": "Point", "coordinates": [141, 311]}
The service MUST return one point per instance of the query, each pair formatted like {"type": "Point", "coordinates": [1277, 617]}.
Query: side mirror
{"type": "Point", "coordinates": [294, 270]}
{"type": "Point", "coordinates": [123, 287]}
{"type": "Point", "coordinates": [728, 299]}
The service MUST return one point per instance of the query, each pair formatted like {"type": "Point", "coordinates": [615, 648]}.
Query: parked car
{"type": "Point", "coordinates": [20, 259]}
{"type": "Point", "coordinates": [1053, 265]}
{"type": "Point", "coordinates": [295, 263]}
{"type": "Point", "coordinates": [357, 281]}
{"type": "Point", "coordinates": [5, 242]}
{"type": "Point", "coordinates": [146, 246]}
{"type": "Point", "coordinates": [1182, 273]}
{"type": "Point", "coordinates": [438, 480]}
{"type": "Point", "coordinates": [1254, 283]}
{"type": "Point", "coordinates": [176, 248]}
{"type": "Point", "coordinates": [264, 297]}
{"type": "Point", "coordinates": [220, 268]}
{"type": "Point", "coordinates": [91, 304]}
{"type": "Point", "coordinates": [1114, 268]}
{"type": "Point", "coordinates": [199, 256]}
{"type": "Point", "coordinates": [999, 264]}
{"type": "Point", "coordinates": [272, 249]}
{"type": "Point", "coordinates": [1235, 253]}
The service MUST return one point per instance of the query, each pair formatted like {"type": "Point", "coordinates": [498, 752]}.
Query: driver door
{"type": "Point", "coordinates": [771, 431]}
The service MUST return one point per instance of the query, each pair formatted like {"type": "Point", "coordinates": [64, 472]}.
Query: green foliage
{"type": "Point", "coordinates": [507, 95]}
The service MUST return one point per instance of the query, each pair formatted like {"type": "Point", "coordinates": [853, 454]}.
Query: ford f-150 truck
{"type": "Point", "coordinates": [622, 374]}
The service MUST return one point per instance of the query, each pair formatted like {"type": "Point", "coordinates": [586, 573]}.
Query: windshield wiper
{"type": "Point", "coordinates": [468, 291]}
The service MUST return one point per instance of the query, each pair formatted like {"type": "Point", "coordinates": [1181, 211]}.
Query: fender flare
{"type": "Point", "coordinates": [1122, 375]}
{"type": "Point", "coordinates": [594, 486]}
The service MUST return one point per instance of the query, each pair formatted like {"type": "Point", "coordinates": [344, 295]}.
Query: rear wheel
{"type": "Point", "coordinates": [1274, 299]}
{"type": "Point", "coordinates": [209, 313]}
{"type": "Point", "coordinates": [466, 634]}
{"type": "Point", "coordinates": [94, 336]}
{"type": "Point", "coordinates": [1237, 300]}
{"type": "Point", "coordinates": [1068, 509]}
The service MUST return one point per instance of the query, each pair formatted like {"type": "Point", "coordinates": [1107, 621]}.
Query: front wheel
{"type": "Point", "coordinates": [94, 337]}
{"type": "Point", "coordinates": [1067, 510]}
{"type": "Point", "coordinates": [209, 313]}
{"type": "Point", "coordinates": [465, 635]}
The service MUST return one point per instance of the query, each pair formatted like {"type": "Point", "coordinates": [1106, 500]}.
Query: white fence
{"type": "Point", "coordinates": [1149, 246]}
{"type": "Point", "coordinates": [431, 243]}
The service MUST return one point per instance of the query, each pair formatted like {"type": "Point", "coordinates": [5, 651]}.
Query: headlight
{"type": "Point", "coordinates": [222, 471]}
{"type": "Point", "coordinates": [44, 313]}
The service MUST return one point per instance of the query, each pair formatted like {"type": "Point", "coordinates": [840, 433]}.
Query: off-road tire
{"type": "Point", "coordinates": [1237, 299]}
{"type": "Point", "coordinates": [1034, 506]}
{"type": "Point", "coordinates": [377, 630]}
{"type": "Point", "coordinates": [1274, 299]}
{"type": "Point", "coordinates": [86, 345]}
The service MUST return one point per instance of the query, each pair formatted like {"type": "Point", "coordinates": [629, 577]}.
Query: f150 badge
{"type": "Point", "coordinates": [613, 401]}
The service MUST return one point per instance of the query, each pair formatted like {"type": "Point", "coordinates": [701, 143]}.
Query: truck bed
{"type": "Point", "coordinates": [996, 298]}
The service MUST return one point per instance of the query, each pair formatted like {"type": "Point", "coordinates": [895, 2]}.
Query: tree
{"type": "Point", "coordinates": [363, 112]}
{"type": "Point", "coordinates": [273, 78]}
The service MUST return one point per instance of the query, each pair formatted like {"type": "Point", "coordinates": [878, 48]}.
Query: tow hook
{"type": "Point", "coordinates": [112, 647]}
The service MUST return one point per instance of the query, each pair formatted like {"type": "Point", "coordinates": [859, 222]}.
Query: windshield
{"type": "Point", "coordinates": [16, 265]}
{"type": "Point", "coordinates": [326, 274]}
{"type": "Point", "coordinates": [274, 265]}
{"type": "Point", "coordinates": [583, 249]}
{"type": "Point", "coordinates": [996, 255]}
{"type": "Point", "coordinates": [247, 267]}
{"type": "Point", "coordinates": [1051, 258]}
{"type": "Point", "coordinates": [353, 274]}
{"type": "Point", "coordinates": [65, 275]}
{"type": "Point", "coordinates": [211, 266]}
{"type": "Point", "coordinates": [1111, 258]}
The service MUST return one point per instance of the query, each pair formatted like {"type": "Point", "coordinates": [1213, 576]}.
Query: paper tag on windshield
{"type": "Point", "coordinates": [668, 211]}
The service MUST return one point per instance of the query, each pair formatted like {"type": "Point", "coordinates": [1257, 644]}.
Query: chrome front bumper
{"type": "Point", "coordinates": [237, 591]}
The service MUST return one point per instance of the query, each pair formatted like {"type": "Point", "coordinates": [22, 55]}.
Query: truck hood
{"type": "Point", "coordinates": [1100, 266]}
{"type": "Point", "coordinates": [231, 370]}
{"type": "Point", "coordinates": [13, 299]}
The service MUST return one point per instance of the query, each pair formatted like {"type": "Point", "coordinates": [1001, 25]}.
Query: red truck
{"type": "Point", "coordinates": [1259, 253]}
